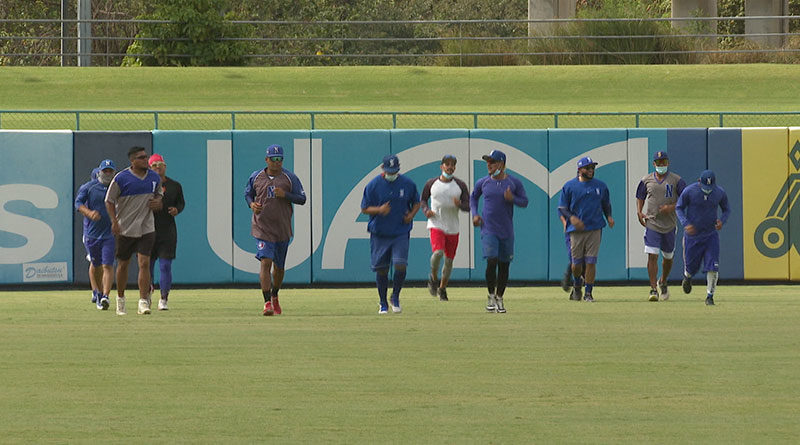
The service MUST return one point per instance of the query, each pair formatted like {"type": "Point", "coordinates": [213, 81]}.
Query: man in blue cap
{"type": "Point", "coordinates": [656, 197]}
{"type": "Point", "coordinates": [698, 211]}
{"type": "Point", "coordinates": [270, 193]}
{"type": "Point", "coordinates": [391, 200]}
{"type": "Point", "coordinates": [97, 236]}
{"type": "Point", "coordinates": [584, 202]}
{"type": "Point", "coordinates": [501, 192]}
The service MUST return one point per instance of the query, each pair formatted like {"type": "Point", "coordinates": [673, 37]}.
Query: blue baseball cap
{"type": "Point", "coordinates": [585, 161]}
{"type": "Point", "coordinates": [446, 158]}
{"type": "Point", "coordinates": [106, 163]}
{"type": "Point", "coordinates": [274, 150]}
{"type": "Point", "coordinates": [659, 155]}
{"type": "Point", "coordinates": [391, 164]}
{"type": "Point", "coordinates": [495, 155]}
{"type": "Point", "coordinates": [707, 181]}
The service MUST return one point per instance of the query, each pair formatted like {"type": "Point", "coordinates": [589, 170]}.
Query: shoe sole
{"type": "Point", "coordinates": [103, 305]}
{"type": "Point", "coordinates": [268, 313]}
{"type": "Point", "coordinates": [653, 298]}
{"type": "Point", "coordinates": [147, 312]}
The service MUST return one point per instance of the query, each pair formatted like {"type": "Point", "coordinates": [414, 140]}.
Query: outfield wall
{"type": "Point", "coordinates": [40, 234]}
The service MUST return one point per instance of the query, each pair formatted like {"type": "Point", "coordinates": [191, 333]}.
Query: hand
{"type": "Point", "coordinates": [689, 229]}
{"type": "Point", "coordinates": [155, 204]}
{"type": "Point", "coordinates": [576, 222]}
{"type": "Point", "coordinates": [477, 221]}
{"type": "Point", "coordinates": [172, 211]}
{"type": "Point", "coordinates": [256, 207]}
{"type": "Point", "coordinates": [384, 209]}
{"type": "Point", "coordinates": [279, 193]}
{"type": "Point", "coordinates": [115, 228]}
{"type": "Point", "coordinates": [508, 195]}
{"type": "Point", "coordinates": [430, 213]}
{"type": "Point", "coordinates": [94, 215]}
{"type": "Point", "coordinates": [666, 208]}
{"type": "Point", "coordinates": [718, 225]}
{"type": "Point", "coordinates": [642, 218]}
{"type": "Point", "coordinates": [456, 202]}
{"type": "Point", "coordinates": [610, 222]}
{"type": "Point", "coordinates": [408, 218]}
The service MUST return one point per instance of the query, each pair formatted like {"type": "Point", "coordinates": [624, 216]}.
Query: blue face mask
{"type": "Point", "coordinates": [496, 172]}
{"type": "Point", "coordinates": [390, 177]}
{"type": "Point", "coordinates": [661, 169]}
{"type": "Point", "coordinates": [447, 175]}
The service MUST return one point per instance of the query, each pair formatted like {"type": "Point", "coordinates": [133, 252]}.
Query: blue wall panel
{"type": "Point", "coordinates": [725, 158]}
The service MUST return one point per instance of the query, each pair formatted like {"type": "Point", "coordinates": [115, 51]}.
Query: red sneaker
{"type": "Point", "coordinates": [276, 305]}
{"type": "Point", "coordinates": [268, 308]}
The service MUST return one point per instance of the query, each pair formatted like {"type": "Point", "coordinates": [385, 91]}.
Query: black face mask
{"type": "Point", "coordinates": [586, 175]}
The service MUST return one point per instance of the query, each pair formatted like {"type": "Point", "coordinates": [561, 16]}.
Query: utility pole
{"type": "Point", "coordinates": [84, 33]}
{"type": "Point", "coordinates": [64, 31]}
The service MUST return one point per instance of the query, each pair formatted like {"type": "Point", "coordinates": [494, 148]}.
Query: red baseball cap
{"type": "Point", "coordinates": [156, 158]}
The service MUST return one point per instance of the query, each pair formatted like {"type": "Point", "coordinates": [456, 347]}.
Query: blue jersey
{"type": "Point", "coordinates": [700, 210]}
{"type": "Point", "coordinates": [588, 200]}
{"type": "Point", "coordinates": [497, 212]}
{"type": "Point", "coordinates": [401, 195]}
{"type": "Point", "coordinates": [93, 195]}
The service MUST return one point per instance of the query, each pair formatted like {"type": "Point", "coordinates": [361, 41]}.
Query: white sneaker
{"type": "Point", "coordinates": [162, 305]}
{"type": "Point", "coordinates": [491, 304]}
{"type": "Point", "coordinates": [144, 307]}
{"type": "Point", "coordinates": [501, 309]}
{"type": "Point", "coordinates": [121, 306]}
{"type": "Point", "coordinates": [396, 309]}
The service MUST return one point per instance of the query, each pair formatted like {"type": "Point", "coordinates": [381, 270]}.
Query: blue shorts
{"type": "Point", "coordinates": [100, 250]}
{"type": "Point", "coordinates": [274, 251]}
{"type": "Point", "coordinates": [703, 248]}
{"type": "Point", "coordinates": [387, 250]}
{"type": "Point", "coordinates": [656, 242]}
{"type": "Point", "coordinates": [494, 247]}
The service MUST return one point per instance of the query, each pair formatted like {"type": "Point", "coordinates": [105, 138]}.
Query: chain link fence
{"type": "Point", "coordinates": [333, 120]}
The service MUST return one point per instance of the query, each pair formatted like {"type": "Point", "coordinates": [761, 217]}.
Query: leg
{"type": "Point", "coordinates": [108, 279]}
{"type": "Point", "coordinates": [398, 279]}
{"type": "Point", "coordinates": [144, 283]}
{"type": "Point", "coordinates": [382, 283]}
{"type": "Point", "coordinates": [436, 259]}
{"type": "Point", "coordinates": [97, 280]}
{"type": "Point", "coordinates": [93, 281]}
{"type": "Point", "coordinates": [265, 277]}
{"type": "Point", "coordinates": [491, 275]}
{"type": "Point", "coordinates": [502, 277]}
{"type": "Point", "coordinates": [165, 277]}
{"type": "Point", "coordinates": [652, 269]}
{"type": "Point", "coordinates": [446, 271]}
{"type": "Point", "coordinates": [122, 276]}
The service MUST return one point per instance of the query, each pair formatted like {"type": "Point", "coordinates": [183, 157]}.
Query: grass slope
{"type": "Point", "coordinates": [331, 370]}
{"type": "Point", "coordinates": [505, 89]}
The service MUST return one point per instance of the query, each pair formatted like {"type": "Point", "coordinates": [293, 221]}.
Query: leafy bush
{"type": "Point", "coordinates": [193, 37]}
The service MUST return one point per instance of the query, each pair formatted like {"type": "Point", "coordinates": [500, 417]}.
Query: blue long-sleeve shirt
{"type": "Point", "coordinates": [92, 195]}
{"type": "Point", "coordinates": [498, 213]}
{"type": "Point", "coordinates": [402, 196]}
{"type": "Point", "coordinates": [700, 210]}
{"type": "Point", "coordinates": [588, 200]}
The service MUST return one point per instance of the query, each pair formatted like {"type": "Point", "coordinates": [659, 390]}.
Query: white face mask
{"type": "Point", "coordinates": [447, 175]}
{"type": "Point", "coordinates": [390, 177]}
{"type": "Point", "coordinates": [105, 178]}
{"type": "Point", "coordinates": [496, 172]}
{"type": "Point", "coordinates": [661, 169]}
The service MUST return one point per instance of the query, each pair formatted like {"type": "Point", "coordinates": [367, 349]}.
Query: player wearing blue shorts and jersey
{"type": "Point", "coordinates": [697, 210]}
{"type": "Point", "coordinates": [584, 202]}
{"type": "Point", "coordinates": [97, 236]}
{"type": "Point", "coordinates": [270, 193]}
{"type": "Point", "coordinates": [391, 200]}
{"type": "Point", "coordinates": [656, 197]}
{"type": "Point", "coordinates": [501, 192]}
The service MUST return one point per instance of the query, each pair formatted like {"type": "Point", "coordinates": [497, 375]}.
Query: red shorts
{"type": "Point", "coordinates": [444, 241]}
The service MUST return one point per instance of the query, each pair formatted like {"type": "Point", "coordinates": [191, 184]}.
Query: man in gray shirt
{"type": "Point", "coordinates": [656, 197]}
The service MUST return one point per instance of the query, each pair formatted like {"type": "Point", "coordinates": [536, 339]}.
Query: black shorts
{"type": "Point", "coordinates": [164, 248]}
{"type": "Point", "coordinates": [126, 246]}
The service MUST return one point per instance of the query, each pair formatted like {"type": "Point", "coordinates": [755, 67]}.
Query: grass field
{"type": "Point", "coordinates": [330, 369]}
{"type": "Point", "coordinates": [766, 87]}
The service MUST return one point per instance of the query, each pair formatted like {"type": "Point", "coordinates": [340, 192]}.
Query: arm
{"type": "Point", "coordinates": [680, 209]}
{"type": "Point", "coordinates": [606, 204]}
{"type": "Point", "coordinates": [726, 209]}
{"type": "Point", "coordinates": [368, 206]}
{"type": "Point", "coordinates": [475, 197]}
{"type": "Point", "coordinates": [426, 194]}
{"type": "Point", "coordinates": [250, 194]}
{"type": "Point", "coordinates": [520, 198]}
{"type": "Point", "coordinates": [297, 195]}
{"type": "Point", "coordinates": [464, 200]}
{"type": "Point", "coordinates": [411, 213]}
{"type": "Point", "coordinates": [111, 206]}
{"type": "Point", "coordinates": [180, 204]}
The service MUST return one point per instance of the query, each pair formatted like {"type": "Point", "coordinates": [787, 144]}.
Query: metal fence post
{"type": "Point", "coordinates": [475, 121]}
{"type": "Point", "coordinates": [312, 120]}
{"type": "Point", "coordinates": [155, 120]}
{"type": "Point", "coordinates": [637, 120]}
{"type": "Point", "coordinates": [233, 120]}
{"type": "Point", "coordinates": [555, 120]}
{"type": "Point", "coordinates": [394, 120]}
{"type": "Point", "coordinates": [720, 120]}
{"type": "Point", "coordinates": [77, 121]}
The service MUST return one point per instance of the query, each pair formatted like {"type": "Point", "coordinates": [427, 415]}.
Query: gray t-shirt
{"type": "Point", "coordinates": [131, 195]}
{"type": "Point", "coordinates": [656, 193]}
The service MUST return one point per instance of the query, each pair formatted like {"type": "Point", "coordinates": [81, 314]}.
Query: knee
{"type": "Point", "coordinates": [382, 271]}
{"type": "Point", "coordinates": [399, 267]}
{"type": "Point", "coordinates": [491, 262]}
{"type": "Point", "coordinates": [438, 253]}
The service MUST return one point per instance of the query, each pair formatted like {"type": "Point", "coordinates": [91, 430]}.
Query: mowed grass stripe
{"type": "Point", "coordinates": [331, 370]}
{"type": "Point", "coordinates": [613, 88]}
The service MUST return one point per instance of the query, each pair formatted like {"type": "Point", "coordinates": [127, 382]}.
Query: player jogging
{"type": "Point", "coordinates": [448, 195]}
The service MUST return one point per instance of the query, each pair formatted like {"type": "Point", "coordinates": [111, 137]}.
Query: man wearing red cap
{"type": "Point", "coordinates": [166, 230]}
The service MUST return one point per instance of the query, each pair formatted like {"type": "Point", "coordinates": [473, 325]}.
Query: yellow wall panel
{"type": "Point", "coordinates": [764, 217]}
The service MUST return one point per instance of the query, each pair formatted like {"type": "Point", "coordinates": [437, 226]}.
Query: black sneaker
{"type": "Point", "coordinates": [573, 296]}
{"type": "Point", "coordinates": [432, 287]}
{"type": "Point", "coordinates": [710, 301]}
{"type": "Point", "coordinates": [577, 292]}
{"type": "Point", "coordinates": [686, 284]}
{"type": "Point", "coordinates": [443, 295]}
{"type": "Point", "coordinates": [653, 295]}
{"type": "Point", "coordinates": [588, 298]}
{"type": "Point", "coordinates": [566, 279]}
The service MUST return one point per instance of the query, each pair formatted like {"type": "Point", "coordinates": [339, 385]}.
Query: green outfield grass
{"type": "Point", "coordinates": [331, 370]}
{"type": "Point", "coordinates": [766, 87]}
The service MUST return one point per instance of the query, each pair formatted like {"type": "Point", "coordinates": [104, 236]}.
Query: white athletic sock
{"type": "Point", "coordinates": [711, 280]}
